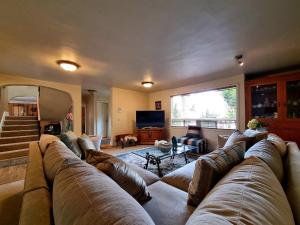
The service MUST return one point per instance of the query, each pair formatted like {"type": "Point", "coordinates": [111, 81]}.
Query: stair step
{"type": "Point", "coordinates": [14, 146]}
{"type": "Point", "coordinates": [12, 158]}
{"type": "Point", "coordinates": [19, 133]}
{"type": "Point", "coordinates": [20, 127]}
{"type": "Point", "coordinates": [21, 118]}
{"type": "Point", "coordinates": [21, 122]}
{"type": "Point", "coordinates": [17, 139]}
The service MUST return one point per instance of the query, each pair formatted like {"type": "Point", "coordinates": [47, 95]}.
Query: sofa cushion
{"type": "Point", "coordinates": [84, 195]}
{"type": "Point", "coordinates": [278, 143]}
{"type": "Point", "coordinates": [168, 205]}
{"type": "Point", "coordinates": [210, 168]}
{"type": "Point", "coordinates": [35, 178]}
{"type": "Point", "coordinates": [249, 194]}
{"type": "Point", "coordinates": [56, 154]}
{"type": "Point", "coordinates": [36, 208]}
{"type": "Point", "coordinates": [85, 144]}
{"type": "Point", "coordinates": [237, 136]}
{"type": "Point", "coordinates": [292, 171]}
{"type": "Point", "coordinates": [121, 173]}
{"type": "Point", "coordinates": [147, 176]}
{"type": "Point", "coordinates": [45, 141]}
{"type": "Point", "coordinates": [181, 177]}
{"type": "Point", "coordinates": [70, 140]}
{"type": "Point", "coordinates": [268, 153]}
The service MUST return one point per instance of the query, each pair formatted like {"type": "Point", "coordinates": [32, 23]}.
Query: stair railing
{"type": "Point", "coordinates": [3, 118]}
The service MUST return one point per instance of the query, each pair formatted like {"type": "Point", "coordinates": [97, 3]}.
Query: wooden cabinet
{"type": "Point", "coordinates": [275, 100]}
{"type": "Point", "coordinates": [149, 136]}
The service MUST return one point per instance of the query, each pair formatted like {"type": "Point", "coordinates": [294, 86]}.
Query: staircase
{"type": "Point", "coordinates": [17, 132]}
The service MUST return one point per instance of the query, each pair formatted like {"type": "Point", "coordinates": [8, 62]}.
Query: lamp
{"type": "Point", "coordinates": [147, 84]}
{"type": "Point", "coordinates": [68, 65]}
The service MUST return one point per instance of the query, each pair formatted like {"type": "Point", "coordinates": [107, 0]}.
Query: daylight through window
{"type": "Point", "coordinates": [209, 109]}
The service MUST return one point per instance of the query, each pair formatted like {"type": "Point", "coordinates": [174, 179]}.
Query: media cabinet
{"type": "Point", "coordinates": [147, 136]}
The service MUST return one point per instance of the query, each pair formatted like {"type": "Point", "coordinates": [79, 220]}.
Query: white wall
{"type": "Point", "coordinates": [54, 105]}
{"type": "Point", "coordinates": [210, 134]}
{"type": "Point", "coordinates": [124, 104]}
{"type": "Point", "coordinates": [22, 91]}
{"type": "Point", "coordinates": [3, 100]}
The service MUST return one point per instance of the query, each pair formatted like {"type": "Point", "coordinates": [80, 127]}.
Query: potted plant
{"type": "Point", "coordinates": [255, 124]}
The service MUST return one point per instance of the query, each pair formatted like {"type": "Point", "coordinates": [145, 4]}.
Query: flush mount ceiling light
{"type": "Point", "coordinates": [68, 65]}
{"type": "Point", "coordinates": [147, 84]}
{"type": "Point", "coordinates": [239, 59]}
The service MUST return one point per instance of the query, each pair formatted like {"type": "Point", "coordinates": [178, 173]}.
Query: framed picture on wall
{"type": "Point", "coordinates": [158, 105]}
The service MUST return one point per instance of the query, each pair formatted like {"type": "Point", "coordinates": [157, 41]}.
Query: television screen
{"type": "Point", "coordinates": [150, 119]}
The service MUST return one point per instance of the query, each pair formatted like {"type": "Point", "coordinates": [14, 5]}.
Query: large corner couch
{"type": "Point", "coordinates": [80, 194]}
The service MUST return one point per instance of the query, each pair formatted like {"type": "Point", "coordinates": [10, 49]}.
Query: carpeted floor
{"type": "Point", "coordinates": [167, 165]}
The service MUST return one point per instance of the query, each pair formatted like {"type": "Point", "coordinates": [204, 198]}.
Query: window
{"type": "Point", "coordinates": [209, 109]}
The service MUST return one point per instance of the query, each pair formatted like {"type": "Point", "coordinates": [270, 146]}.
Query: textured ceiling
{"type": "Point", "coordinates": [171, 42]}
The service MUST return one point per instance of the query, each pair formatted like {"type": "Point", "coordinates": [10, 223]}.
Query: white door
{"type": "Point", "coordinates": [102, 118]}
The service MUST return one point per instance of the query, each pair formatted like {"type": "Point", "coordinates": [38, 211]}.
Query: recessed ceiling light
{"type": "Point", "coordinates": [68, 65]}
{"type": "Point", "coordinates": [239, 59]}
{"type": "Point", "coordinates": [147, 84]}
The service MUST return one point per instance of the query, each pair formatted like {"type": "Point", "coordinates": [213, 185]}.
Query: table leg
{"type": "Point", "coordinates": [158, 167]}
{"type": "Point", "coordinates": [185, 158]}
{"type": "Point", "coordinates": [147, 158]}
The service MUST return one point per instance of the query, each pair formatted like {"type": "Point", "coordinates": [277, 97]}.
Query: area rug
{"type": "Point", "coordinates": [167, 165]}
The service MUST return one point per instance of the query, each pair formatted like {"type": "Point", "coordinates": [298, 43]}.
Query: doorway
{"type": "Point", "coordinates": [102, 118]}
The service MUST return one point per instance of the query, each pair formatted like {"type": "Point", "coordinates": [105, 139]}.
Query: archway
{"type": "Point", "coordinates": [74, 91]}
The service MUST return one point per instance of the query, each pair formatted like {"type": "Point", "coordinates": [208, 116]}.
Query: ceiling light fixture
{"type": "Point", "coordinates": [239, 59]}
{"type": "Point", "coordinates": [147, 84]}
{"type": "Point", "coordinates": [68, 65]}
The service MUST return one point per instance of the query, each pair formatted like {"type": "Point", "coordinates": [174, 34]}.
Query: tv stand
{"type": "Point", "coordinates": [149, 135]}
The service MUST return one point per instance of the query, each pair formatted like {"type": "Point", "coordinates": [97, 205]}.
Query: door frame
{"type": "Point", "coordinates": [108, 116]}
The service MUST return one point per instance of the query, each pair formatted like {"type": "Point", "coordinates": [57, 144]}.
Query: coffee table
{"type": "Point", "coordinates": [154, 155]}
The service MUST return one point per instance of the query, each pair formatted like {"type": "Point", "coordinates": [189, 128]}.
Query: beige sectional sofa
{"type": "Point", "coordinates": [80, 194]}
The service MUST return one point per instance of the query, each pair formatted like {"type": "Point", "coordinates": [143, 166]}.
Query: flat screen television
{"type": "Point", "coordinates": [150, 119]}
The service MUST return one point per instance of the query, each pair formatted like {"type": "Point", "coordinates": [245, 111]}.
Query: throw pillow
{"type": "Point", "coordinates": [256, 135]}
{"type": "Point", "coordinates": [121, 173]}
{"type": "Point", "coordinates": [210, 168]}
{"type": "Point", "coordinates": [97, 142]}
{"type": "Point", "coordinates": [237, 136]}
{"type": "Point", "coordinates": [278, 143]}
{"type": "Point", "coordinates": [268, 153]}
{"type": "Point", "coordinates": [85, 144]}
{"type": "Point", "coordinates": [70, 140]}
{"type": "Point", "coordinates": [45, 141]}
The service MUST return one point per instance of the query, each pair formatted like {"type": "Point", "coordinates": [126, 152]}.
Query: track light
{"type": "Point", "coordinates": [239, 59]}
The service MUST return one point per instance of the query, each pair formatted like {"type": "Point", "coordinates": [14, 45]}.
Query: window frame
{"type": "Point", "coordinates": [207, 90]}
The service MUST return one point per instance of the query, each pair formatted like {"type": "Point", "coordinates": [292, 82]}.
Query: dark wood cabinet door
{"type": "Point", "coordinates": [282, 118]}
{"type": "Point", "coordinates": [149, 136]}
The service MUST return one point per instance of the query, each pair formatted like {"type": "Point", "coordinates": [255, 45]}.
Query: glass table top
{"type": "Point", "coordinates": [155, 151]}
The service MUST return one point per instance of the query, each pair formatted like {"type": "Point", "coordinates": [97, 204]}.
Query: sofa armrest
{"type": "Point", "coordinates": [292, 177]}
